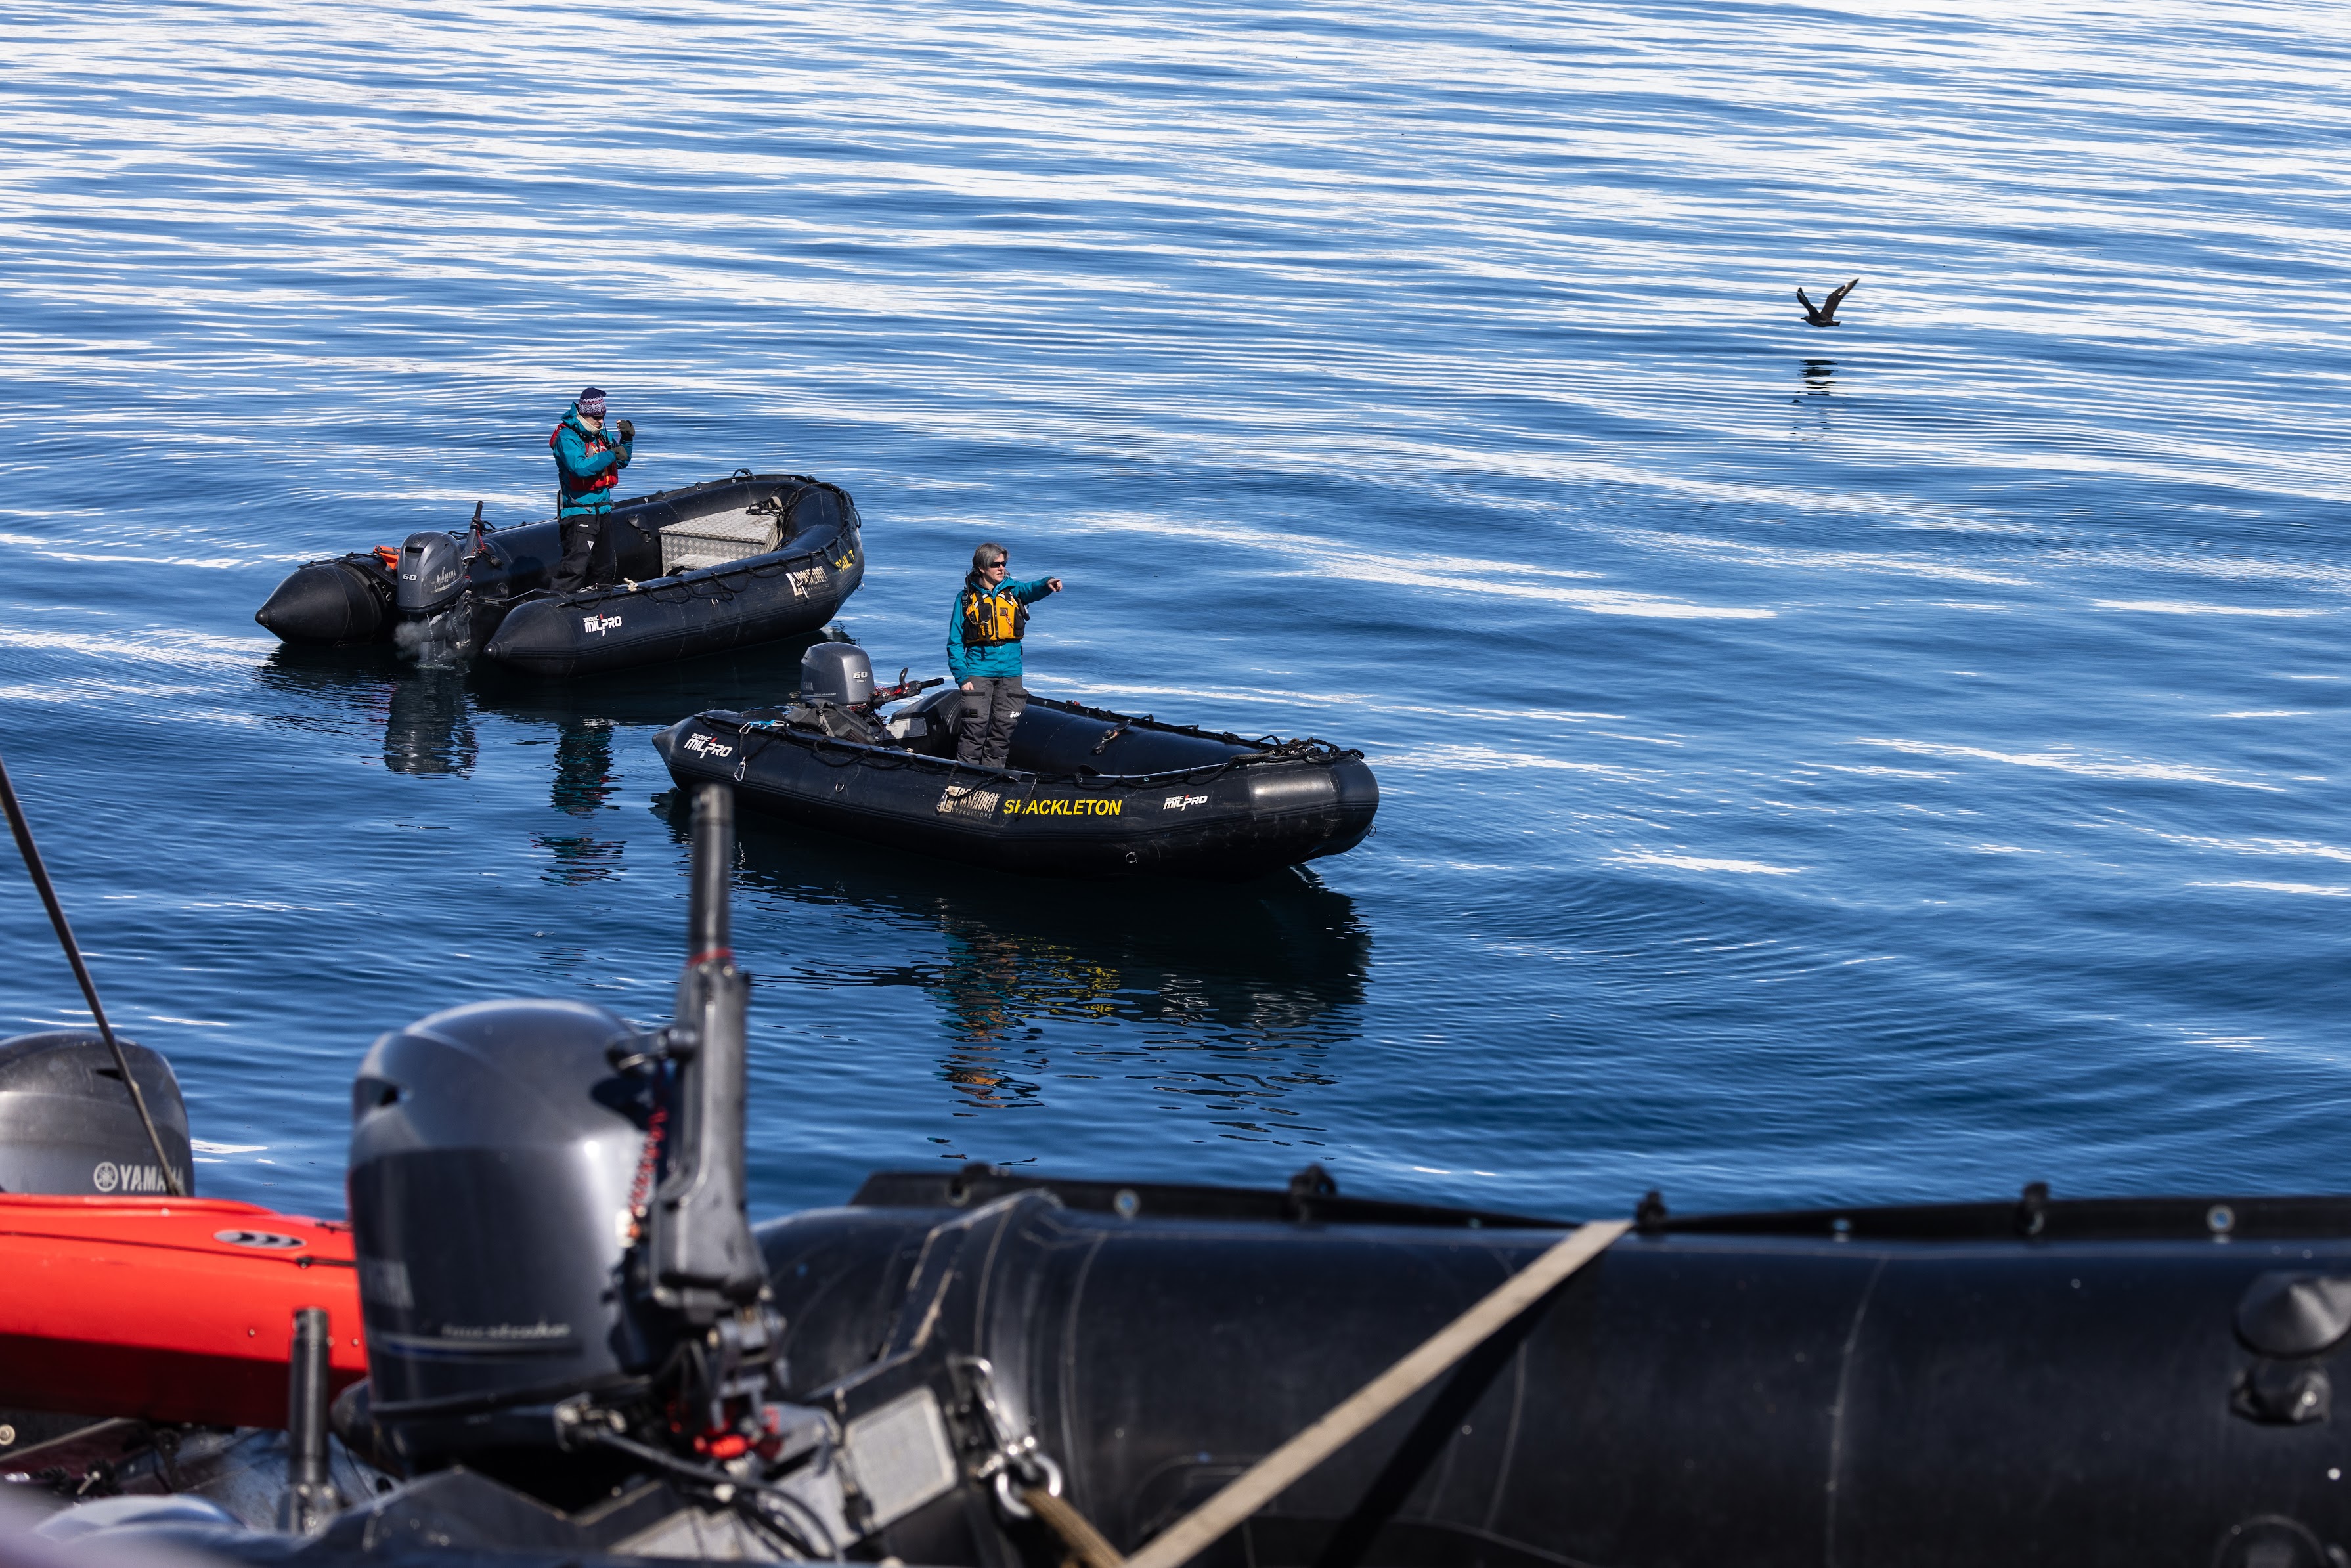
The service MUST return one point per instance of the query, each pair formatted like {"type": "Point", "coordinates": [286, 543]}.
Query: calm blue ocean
{"type": "Point", "coordinates": [1891, 761]}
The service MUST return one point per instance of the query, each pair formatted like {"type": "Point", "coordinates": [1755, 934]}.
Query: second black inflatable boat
{"type": "Point", "coordinates": [744, 560]}
{"type": "Point", "coordinates": [1086, 792]}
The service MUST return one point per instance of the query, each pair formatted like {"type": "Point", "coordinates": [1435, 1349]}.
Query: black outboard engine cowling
{"type": "Point", "coordinates": [547, 1207]}
{"type": "Point", "coordinates": [494, 1150]}
{"type": "Point", "coordinates": [67, 1124]}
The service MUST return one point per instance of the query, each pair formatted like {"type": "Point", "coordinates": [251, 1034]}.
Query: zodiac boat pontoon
{"type": "Point", "coordinates": [1085, 792]}
{"type": "Point", "coordinates": [720, 565]}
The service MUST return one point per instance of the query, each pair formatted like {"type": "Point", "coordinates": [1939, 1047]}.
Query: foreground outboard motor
{"type": "Point", "coordinates": [548, 1210]}
{"type": "Point", "coordinates": [493, 1151]}
{"type": "Point", "coordinates": [68, 1126]}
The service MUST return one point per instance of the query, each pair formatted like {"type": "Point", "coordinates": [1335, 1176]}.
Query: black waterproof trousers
{"type": "Point", "coordinates": [989, 711]}
{"type": "Point", "coordinates": [587, 553]}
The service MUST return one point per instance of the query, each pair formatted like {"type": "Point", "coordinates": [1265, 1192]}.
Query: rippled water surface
{"type": "Point", "coordinates": [1901, 759]}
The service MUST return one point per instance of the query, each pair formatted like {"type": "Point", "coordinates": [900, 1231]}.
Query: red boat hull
{"type": "Point", "coordinates": [169, 1308]}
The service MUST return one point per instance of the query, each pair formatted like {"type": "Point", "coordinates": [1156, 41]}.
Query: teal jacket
{"type": "Point", "coordinates": [1003, 659]}
{"type": "Point", "coordinates": [587, 465]}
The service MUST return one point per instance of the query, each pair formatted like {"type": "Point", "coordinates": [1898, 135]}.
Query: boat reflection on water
{"type": "Point", "coordinates": [427, 723]}
{"type": "Point", "coordinates": [427, 727]}
{"type": "Point", "coordinates": [584, 785]}
{"type": "Point", "coordinates": [1221, 995]}
{"type": "Point", "coordinates": [1166, 969]}
{"type": "Point", "coordinates": [429, 717]}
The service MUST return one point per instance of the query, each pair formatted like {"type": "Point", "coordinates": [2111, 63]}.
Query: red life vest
{"type": "Point", "coordinates": [571, 489]}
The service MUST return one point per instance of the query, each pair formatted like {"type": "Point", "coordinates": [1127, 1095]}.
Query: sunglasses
{"type": "Point", "coordinates": [994, 564]}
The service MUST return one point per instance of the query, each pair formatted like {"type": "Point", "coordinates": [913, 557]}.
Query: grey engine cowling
{"type": "Point", "coordinates": [431, 573]}
{"type": "Point", "coordinates": [67, 1124]}
{"type": "Point", "coordinates": [547, 1204]}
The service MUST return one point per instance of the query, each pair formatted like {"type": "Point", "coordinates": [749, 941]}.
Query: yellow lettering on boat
{"type": "Point", "coordinates": [1084, 806]}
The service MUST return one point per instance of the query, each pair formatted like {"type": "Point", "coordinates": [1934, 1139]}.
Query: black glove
{"type": "Point", "coordinates": [628, 430]}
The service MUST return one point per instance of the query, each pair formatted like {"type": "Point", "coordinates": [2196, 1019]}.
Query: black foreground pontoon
{"type": "Point", "coordinates": [1086, 792]}
{"type": "Point", "coordinates": [579, 1352]}
{"type": "Point", "coordinates": [720, 565]}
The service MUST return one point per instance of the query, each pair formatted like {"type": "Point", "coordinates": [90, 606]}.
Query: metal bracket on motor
{"type": "Point", "coordinates": [1013, 1463]}
{"type": "Point", "coordinates": [673, 1042]}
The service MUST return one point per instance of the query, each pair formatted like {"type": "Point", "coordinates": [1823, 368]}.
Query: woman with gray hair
{"type": "Point", "coordinates": [984, 634]}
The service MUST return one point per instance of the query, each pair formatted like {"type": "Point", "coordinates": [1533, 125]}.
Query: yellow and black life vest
{"type": "Point", "coordinates": [990, 619]}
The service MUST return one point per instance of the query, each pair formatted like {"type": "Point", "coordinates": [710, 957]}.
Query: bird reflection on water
{"type": "Point", "coordinates": [1818, 397]}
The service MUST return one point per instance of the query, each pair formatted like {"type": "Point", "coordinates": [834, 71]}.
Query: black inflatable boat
{"type": "Point", "coordinates": [1086, 792]}
{"type": "Point", "coordinates": [579, 1350]}
{"type": "Point", "coordinates": [718, 565]}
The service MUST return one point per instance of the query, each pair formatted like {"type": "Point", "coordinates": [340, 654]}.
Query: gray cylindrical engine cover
{"type": "Point", "coordinates": [67, 1124]}
{"type": "Point", "coordinates": [838, 673]}
{"type": "Point", "coordinates": [492, 1149]}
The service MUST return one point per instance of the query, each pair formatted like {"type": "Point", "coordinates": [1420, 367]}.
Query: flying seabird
{"type": "Point", "coordinates": [1824, 315]}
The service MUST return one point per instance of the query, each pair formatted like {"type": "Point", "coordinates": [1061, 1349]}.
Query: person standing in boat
{"type": "Point", "coordinates": [984, 630]}
{"type": "Point", "coordinates": [587, 463]}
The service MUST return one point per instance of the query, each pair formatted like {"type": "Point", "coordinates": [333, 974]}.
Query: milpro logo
{"type": "Point", "coordinates": [1183, 803]}
{"type": "Point", "coordinates": [600, 624]}
{"type": "Point", "coordinates": [107, 1176]}
{"type": "Point", "coordinates": [704, 745]}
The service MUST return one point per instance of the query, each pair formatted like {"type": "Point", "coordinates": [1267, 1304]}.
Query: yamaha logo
{"type": "Point", "coordinates": [107, 1176]}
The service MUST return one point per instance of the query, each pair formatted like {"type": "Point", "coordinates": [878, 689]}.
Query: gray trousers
{"type": "Point", "coordinates": [989, 711]}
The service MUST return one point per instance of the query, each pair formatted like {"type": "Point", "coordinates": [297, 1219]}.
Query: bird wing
{"type": "Point", "coordinates": [1806, 301]}
{"type": "Point", "coordinates": [1836, 296]}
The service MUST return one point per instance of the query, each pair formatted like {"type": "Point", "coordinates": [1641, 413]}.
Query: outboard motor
{"type": "Point", "coordinates": [493, 1152]}
{"type": "Point", "coordinates": [68, 1126]}
{"type": "Point", "coordinates": [554, 1256]}
{"type": "Point", "coordinates": [837, 672]}
{"type": "Point", "coordinates": [431, 573]}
